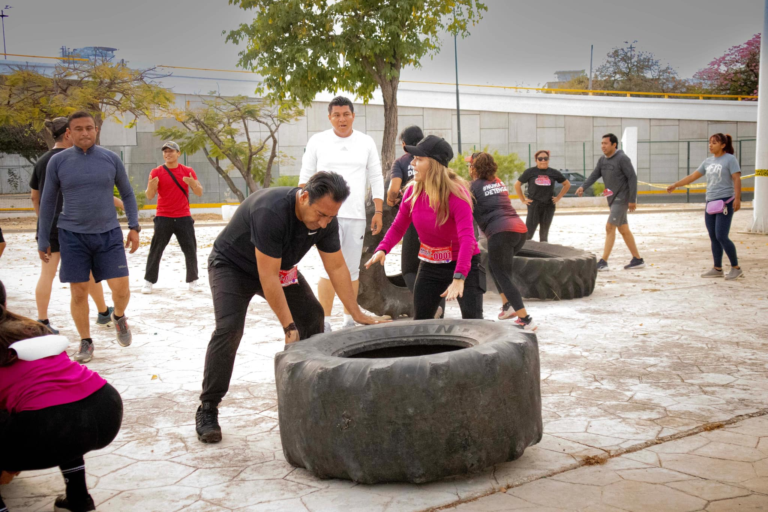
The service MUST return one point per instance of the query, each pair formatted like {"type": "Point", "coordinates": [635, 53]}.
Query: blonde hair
{"type": "Point", "coordinates": [438, 185]}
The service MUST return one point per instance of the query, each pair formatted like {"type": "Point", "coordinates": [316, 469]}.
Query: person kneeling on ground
{"type": "Point", "coordinates": [620, 180]}
{"type": "Point", "coordinates": [257, 254]}
{"type": "Point", "coordinates": [439, 204]}
{"type": "Point", "coordinates": [505, 232]}
{"type": "Point", "coordinates": [58, 410]}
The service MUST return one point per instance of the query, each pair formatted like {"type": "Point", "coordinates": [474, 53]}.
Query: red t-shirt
{"type": "Point", "coordinates": [171, 202]}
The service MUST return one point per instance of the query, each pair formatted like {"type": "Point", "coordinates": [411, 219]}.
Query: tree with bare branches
{"type": "Point", "coordinates": [238, 129]}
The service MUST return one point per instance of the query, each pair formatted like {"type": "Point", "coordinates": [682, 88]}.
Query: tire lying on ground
{"type": "Point", "coordinates": [548, 271]}
{"type": "Point", "coordinates": [409, 401]}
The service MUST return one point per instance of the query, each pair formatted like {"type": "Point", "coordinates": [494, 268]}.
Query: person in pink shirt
{"type": "Point", "coordinates": [52, 410]}
{"type": "Point", "coordinates": [439, 205]}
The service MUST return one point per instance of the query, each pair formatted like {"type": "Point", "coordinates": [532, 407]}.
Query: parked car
{"type": "Point", "coordinates": [577, 179]}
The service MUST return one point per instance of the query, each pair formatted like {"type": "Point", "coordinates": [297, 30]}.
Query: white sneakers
{"type": "Point", "coordinates": [147, 288]}
{"type": "Point", "coordinates": [194, 286]}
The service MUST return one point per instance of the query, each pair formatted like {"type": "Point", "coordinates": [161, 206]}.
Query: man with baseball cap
{"type": "Point", "coordinates": [172, 182]}
{"type": "Point", "coordinates": [62, 140]}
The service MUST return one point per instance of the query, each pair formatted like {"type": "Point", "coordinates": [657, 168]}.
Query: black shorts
{"type": "Point", "coordinates": [102, 254]}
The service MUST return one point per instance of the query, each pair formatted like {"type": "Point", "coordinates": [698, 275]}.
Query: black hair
{"type": "Point", "coordinates": [614, 140]}
{"type": "Point", "coordinates": [323, 184]}
{"type": "Point", "coordinates": [341, 101]}
{"type": "Point", "coordinates": [2, 294]}
{"type": "Point", "coordinates": [411, 135]}
{"type": "Point", "coordinates": [58, 136]}
{"type": "Point", "coordinates": [80, 114]}
{"type": "Point", "coordinates": [726, 140]}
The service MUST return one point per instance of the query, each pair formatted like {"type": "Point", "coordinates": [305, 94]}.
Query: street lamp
{"type": "Point", "coordinates": [2, 18]}
{"type": "Point", "coordinates": [458, 107]}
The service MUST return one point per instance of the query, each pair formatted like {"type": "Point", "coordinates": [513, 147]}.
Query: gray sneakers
{"type": "Point", "coordinates": [85, 354]}
{"type": "Point", "coordinates": [713, 272]}
{"type": "Point", "coordinates": [735, 273]}
{"type": "Point", "coordinates": [124, 337]}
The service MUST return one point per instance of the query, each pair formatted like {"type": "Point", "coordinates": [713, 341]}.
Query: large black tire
{"type": "Point", "coordinates": [381, 294]}
{"type": "Point", "coordinates": [547, 271]}
{"type": "Point", "coordinates": [409, 401]}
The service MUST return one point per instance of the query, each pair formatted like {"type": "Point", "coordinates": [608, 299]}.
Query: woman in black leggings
{"type": "Point", "coordinates": [506, 234]}
{"type": "Point", "coordinates": [52, 410]}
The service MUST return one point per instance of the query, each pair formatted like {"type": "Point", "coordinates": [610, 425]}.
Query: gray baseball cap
{"type": "Point", "coordinates": [172, 145]}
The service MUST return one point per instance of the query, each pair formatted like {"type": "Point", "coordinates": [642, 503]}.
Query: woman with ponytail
{"type": "Point", "coordinates": [723, 200]}
{"type": "Point", "coordinates": [439, 205]}
{"type": "Point", "coordinates": [54, 410]}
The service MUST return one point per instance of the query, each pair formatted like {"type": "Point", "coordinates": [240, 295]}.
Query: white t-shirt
{"type": "Point", "coordinates": [355, 158]}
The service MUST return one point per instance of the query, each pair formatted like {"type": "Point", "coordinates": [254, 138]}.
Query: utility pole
{"type": "Point", "coordinates": [2, 18]}
{"type": "Point", "coordinates": [456, 60]}
{"type": "Point", "coordinates": [591, 53]}
{"type": "Point", "coordinates": [760, 200]}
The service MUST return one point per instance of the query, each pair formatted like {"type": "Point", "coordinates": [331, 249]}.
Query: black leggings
{"type": "Point", "coordinates": [502, 248]}
{"type": "Point", "coordinates": [409, 260]}
{"type": "Point", "coordinates": [165, 228]}
{"type": "Point", "coordinates": [232, 291]}
{"type": "Point", "coordinates": [62, 434]}
{"type": "Point", "coordinates": [540, 214]}
{"type": "Point", "coordinates": [434, 278]}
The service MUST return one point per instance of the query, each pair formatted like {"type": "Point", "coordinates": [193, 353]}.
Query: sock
{"type": "Point", "coordinates": [348, 318]}
{"type": "Point", "coordinates": [105, 312]}
{"type": "Point", "coordinates": [89, 340]}
{"type": "Point", "coordinates": [527, 319]}
{"type": "Point", "coordinates": [118, 317]}
{"type": "Point", "coordinates": [45, 322]}
{"type": "Point", "coordinates": [74, 477]}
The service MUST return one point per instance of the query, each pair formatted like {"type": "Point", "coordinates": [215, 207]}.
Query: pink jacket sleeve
{"type": "Point", "coordinates": [399, 226]}
{"type": "Point", "coordinates": [462, 216]}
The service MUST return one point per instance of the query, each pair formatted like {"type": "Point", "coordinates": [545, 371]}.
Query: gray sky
{"type": "Point", "coordinates": [520, 42]}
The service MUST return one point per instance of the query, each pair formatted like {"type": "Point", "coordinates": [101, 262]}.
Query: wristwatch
{"type": "Point", "coordinates": [290, 327]}
{"type": "Point", "coordinates": [135, 228]}
{"type": "Point", "coordinates": [459, 275]}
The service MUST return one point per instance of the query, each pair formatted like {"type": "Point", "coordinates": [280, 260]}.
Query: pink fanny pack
{"type": "Point", "coordinates": [715, 207]}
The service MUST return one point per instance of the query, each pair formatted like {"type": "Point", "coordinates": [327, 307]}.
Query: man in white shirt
{"type": "Point", "coordinates": [354, 156]}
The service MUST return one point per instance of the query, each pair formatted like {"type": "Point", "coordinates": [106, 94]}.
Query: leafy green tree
{"type": "Point", "coordinates": [22, 140]}
{"type": "Point", "coordinates": [304, 47]}
{"type": "Point", "coordinates": [105, 89]}
{"type": "Point", "coordinates": [510, 165]}
{"type": "Point", "coordinates": [227, 128]}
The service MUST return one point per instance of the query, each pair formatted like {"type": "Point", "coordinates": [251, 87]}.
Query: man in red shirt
{"type": "Point", "coordinates": [172, 183]}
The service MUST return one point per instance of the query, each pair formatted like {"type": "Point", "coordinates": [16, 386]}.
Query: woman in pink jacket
{"type": "Point", "coordinates": [439, 205]}
{"type": "Point", "coordinates": [52, 410]}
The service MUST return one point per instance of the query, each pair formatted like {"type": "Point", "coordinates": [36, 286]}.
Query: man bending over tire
{"type": "Point", "coordinates": [257, 254]}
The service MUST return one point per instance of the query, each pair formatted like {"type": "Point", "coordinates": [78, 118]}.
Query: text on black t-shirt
{"type": "Point", "coordinates": [541, 183]}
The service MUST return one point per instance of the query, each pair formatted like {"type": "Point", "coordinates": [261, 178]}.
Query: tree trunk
{"type": "Point", "coordinates": [224, 175]}
{"type": "Point", "coordinates": [272, 157]}
{"type": "Point", "coordinates": [389, 93]}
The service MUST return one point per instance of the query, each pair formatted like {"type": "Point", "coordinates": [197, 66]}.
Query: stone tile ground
{"type": "Point", "coordinates": [651, 355]}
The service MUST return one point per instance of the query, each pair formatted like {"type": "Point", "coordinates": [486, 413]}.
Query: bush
{"type": "Point", "coordinates": [286, 181]}
{"type": "Point", "coordinates": [510, 166]}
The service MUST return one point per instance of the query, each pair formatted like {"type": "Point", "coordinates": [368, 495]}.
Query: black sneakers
{"type": "Point", "coordinates": [207, 423]}
{"type": "Point", "coordinates": [635, 263]}
{"type": "Point", "coordinates": [62, 504]}
{"type": "Point", "coordinates": [602, 265]}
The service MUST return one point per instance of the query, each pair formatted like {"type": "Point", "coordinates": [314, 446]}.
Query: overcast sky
{"type": "Point", "coordinates": [519, 42]}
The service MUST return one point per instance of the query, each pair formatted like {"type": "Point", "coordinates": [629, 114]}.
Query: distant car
{"type": "Point", "coordinates": [577, 179]}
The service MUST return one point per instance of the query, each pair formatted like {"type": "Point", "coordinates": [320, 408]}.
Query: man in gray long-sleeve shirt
{"type": "Point", "coordinates": [621, 191]}
{"type": "Point", "coordinates": [90, 237]}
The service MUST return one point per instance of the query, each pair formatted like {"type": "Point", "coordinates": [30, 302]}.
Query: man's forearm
{"type": "Point", "coordinates": [35, 196]}
{"type": "Point", "coordinates": [342, 284]}
{"type": "Point", "coordinates": [378, 205]}
{"type": "Point", "coordinates": [197, 188]}
{"type": "Point", "coordinates": [273, 293]}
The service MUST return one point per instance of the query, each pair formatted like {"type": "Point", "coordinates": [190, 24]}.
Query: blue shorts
{"type": "Point", "coordinates": [100, 253]}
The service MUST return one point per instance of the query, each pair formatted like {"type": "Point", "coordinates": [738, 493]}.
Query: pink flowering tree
{"type": "Point", "coordinates": [735, 72]}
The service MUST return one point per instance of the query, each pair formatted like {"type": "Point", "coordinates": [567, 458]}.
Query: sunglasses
{"type": "Point", "coordinates": [543, 159]}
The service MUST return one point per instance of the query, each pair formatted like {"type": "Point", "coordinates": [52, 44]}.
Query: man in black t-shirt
{"type": "Point", "coordinates": [257, 254]}
{"type": "Point", "coordinates": [541, 199]}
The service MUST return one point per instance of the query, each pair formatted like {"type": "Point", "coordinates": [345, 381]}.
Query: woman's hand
{"type": "Point", "coordinates": [379, 257]}
{"type": "Point", "coordinates": [455, 290]}
{"type": "Point", "coordinates": [556, 199]}
{"type": "Point", "coordinates": [527, 201]}
{"type": "Point", "coordinates": [671, 188]}
{"type": "Point", "coordinates": [291, 336]}
{"type": "Point", "coordinates": [736, 205]}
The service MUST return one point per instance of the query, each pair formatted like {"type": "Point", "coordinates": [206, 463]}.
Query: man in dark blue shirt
{"type": "Point", "coordinates": [90, 237]}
